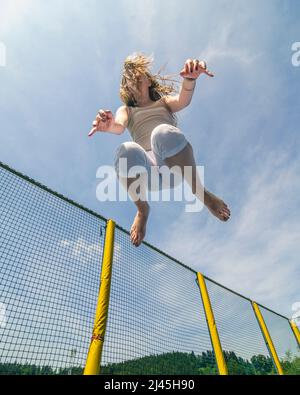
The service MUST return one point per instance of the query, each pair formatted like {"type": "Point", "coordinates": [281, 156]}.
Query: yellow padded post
{"type": "Point", "coordinates": [267, 337]}
{"type": "Point", "coordinates": [93, 361]}
{"type": "Point", "coordinates": [296, 331]}
{"type": "Point", "coordinates": [212, 327]}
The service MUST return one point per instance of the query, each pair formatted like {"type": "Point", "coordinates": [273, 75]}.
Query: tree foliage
{"type": "Point", "coordinates": [176, 363]}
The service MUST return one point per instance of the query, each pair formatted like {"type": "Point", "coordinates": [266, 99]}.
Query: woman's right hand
{"type": "Point", "coordinates": [103, 122]}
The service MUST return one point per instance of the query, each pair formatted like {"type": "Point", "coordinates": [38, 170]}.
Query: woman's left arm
{"type": "Point", "coordinates": [191, 71]}
{"type": "Point", "coordinates": [186, 91]}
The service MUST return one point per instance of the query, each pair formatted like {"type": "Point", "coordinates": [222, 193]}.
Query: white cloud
{"type": "Point", "coordinates": [242, 56]}
{"type": "Point", "coordinates": [82, 250]}
{"type": "Point", "coordinates": [13, 12]}
{"type": "Point", "coordinates": [256, 252]}
{"type": "Point", "coordinates": [141, 17]}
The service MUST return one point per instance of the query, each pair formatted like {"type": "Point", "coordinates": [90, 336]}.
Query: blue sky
{"type": "Point", "coordinates": [63, 63]}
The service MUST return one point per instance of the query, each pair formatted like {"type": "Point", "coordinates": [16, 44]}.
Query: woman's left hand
{"type": "Point", "coordinates": [193, 68]}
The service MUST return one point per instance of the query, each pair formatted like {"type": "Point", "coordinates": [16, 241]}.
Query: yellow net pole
{"type": "Point", "coordinates": [93, 361]}
{"type": "Point", "coordinates": [267, 337]}
{"type": "Point", "coordinates": [296, 331]}
{"type": "Point", "coordinates": [212, 327]}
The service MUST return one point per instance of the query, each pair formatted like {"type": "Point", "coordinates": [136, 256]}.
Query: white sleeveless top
{"type": "Point", "coordinates": [142, 121]}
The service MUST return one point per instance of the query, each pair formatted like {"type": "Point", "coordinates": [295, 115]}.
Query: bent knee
{"type": "Point", "coordinates": [130, 151]}
{"type": "Point", "coordinates": [163, 133]}
{"type": "Point", "coordinates": [167, 140]}
{"type": "Point", "coordinates": [127, 150]}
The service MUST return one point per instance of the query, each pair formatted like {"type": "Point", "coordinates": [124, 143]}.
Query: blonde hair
{"type": "Point", "coordinates": [136, 64]}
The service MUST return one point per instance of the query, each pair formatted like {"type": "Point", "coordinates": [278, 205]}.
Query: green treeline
{"type": "Point", "coordinates": [28, 369]}
{"type": "Point", "coordinates": [176, 363]}
{"type": "Point", "coordinates": [185, 364]}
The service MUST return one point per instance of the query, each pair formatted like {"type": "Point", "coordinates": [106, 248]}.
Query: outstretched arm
{"type": "Point", "coordinates": [105, 121]}
{"type": "Point", "coordinates": [186, 91]}
{"type": "Point", "coordinates": [191, 71]}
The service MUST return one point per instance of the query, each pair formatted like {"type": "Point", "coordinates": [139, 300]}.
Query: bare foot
{"type": "Point", "coordinates": [138, 228]}
{"type": "Point", "coordinates": [216, 206]}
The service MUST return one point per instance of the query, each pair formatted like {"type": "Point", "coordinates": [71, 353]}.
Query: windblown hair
{"type": "Point", "coordinates": [136, 64]}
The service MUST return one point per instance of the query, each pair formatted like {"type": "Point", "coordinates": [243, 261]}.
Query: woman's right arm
{"type": "Point", "coordinates": [105, 121]}
{"type": "Point", "coordinates": [121, 117]}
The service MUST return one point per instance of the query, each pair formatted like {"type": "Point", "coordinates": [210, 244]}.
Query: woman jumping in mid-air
{"type": "Point", "coordinates": [148, 114]}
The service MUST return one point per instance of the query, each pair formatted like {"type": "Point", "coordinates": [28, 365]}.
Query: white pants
{"type": "Point", "coordinates": [166, 140]}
